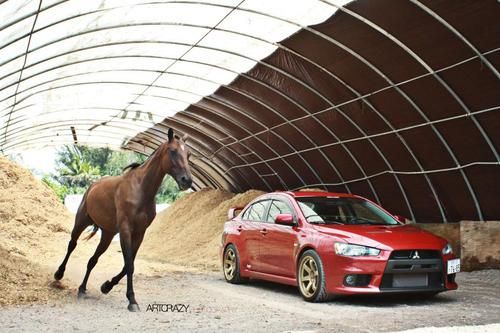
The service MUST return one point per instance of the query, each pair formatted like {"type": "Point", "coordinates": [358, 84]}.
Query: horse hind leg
{"type": "Point", "coordinates": [82, 221]}
{"type": "Point", "coordinates": [106, 238]}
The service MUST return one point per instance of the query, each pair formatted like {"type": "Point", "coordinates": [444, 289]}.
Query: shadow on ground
{"type": "Point", "coordinates": [380, 300]}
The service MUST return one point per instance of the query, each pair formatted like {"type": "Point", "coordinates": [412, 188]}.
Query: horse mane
{"type": "Point", "coordinates": [132, 166]}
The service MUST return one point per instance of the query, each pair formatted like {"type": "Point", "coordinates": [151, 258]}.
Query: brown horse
{"type": "Point", "coordinates": [126, 204]}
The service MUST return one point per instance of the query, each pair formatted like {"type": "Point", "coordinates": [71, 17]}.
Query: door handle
{"type": "Point", "coordinates": [240, 228]}
{"type": "Point", "coordinates": [263, 231]}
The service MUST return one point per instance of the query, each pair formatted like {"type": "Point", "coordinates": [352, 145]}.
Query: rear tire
{"type": "Point", "coordinates": [231, 265]}
{"type": "Point", "coordinates": [311, 277]}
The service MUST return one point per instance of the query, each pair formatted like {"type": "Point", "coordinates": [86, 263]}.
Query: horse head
{"type": "Point", "coordinates": [177, 158]}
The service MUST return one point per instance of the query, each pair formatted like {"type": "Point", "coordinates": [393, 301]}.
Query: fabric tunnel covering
{"type": "Point", "coordinates": [397, 101]}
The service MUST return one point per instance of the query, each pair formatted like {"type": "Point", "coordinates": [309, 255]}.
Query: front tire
{"type": "Point", "coordinates": [311, 277]}
{"type": "Point", "coordinates": [231, 265]}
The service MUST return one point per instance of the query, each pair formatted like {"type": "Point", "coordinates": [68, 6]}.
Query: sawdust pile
{"type": "Point", "coordinates": [22, 281]}
{"type": "Point", "coordinates": [30, 218]}
{"type": "Point", "coordinates": [188, 233]}
{"type": "Point", "coordinates": [29, 211]}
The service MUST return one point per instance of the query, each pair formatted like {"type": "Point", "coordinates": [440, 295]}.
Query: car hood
{"type": "Point", "coordinates": [385, 237]}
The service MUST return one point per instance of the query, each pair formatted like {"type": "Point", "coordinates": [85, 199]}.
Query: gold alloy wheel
{"type": "Point", "coordinates": [229, 264]}
{"type": "Point", "coordinates": [308, 276]}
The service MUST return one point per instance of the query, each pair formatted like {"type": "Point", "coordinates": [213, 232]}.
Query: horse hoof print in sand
{"type": "Point", "coordinates": [125, 204]}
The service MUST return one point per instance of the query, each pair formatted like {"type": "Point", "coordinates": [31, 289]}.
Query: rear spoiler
{"type": "Point", "coordinates": [231, 213]}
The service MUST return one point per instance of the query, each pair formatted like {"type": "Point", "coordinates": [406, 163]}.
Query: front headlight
{"type": "Point", "coordinates": [352, 250]}
{"type": "Point", "coordinates": [447, 249]}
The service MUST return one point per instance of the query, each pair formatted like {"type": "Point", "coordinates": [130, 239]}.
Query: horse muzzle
{"type": "Point", "coordinates": [184, 182]}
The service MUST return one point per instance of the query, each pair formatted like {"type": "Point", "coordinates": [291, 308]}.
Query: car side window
{"type": "Point", "coordinates": [256, 211]}
{"type": "Point", "coordinates": [278, 207]}
{"type": "Point", "coordinates": [245, 214]}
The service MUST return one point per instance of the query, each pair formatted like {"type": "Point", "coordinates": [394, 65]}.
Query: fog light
{"type": "Point", "coordinates": [357, 280]}
{"type": "Point", "coordinates": [350, 280]}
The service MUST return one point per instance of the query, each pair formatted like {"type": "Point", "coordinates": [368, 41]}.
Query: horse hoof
{"type": "Point", "coordinates": [58, 275]}
{"type": "Point", "coordinates": [106, 287]}
{"type": "Point", "coordinates": [133, 308]}
{"type": "Point", "coordinates": [82, 294]}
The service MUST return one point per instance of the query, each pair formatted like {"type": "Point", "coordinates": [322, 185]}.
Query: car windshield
{"type": "Point", "coordinates": [334, 210]}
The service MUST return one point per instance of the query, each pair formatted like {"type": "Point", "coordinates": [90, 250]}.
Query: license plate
{"type": "Point", "coordinates": [453, 266]}
{"type": "Point", "coordinates": [410, 280]}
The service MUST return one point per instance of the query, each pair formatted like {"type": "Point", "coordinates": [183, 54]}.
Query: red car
{"type": "Point", "coordinates": [331, 244]}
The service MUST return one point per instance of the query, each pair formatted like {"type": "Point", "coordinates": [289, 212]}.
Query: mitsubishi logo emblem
{"type": "Point", "coordinates": [415, 255]}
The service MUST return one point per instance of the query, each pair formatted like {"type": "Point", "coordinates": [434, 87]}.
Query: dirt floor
{"type": "Point", "coordinates": [215, 306]}
{"type": "Point", "coordinates": [177, 269]}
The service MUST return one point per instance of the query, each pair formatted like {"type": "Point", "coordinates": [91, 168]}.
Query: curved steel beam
{"type": "Point", "coordinates": [223, 130]}
{"type": "Point", "coordinates": [229, 106]}
{"type": "Point", "coordinates": [312, 169]}
{"type": "Point", "coordinates": [139, 129]}
{"type": "Point", "coordinates": [206, 158]}
{"type": "Point", "coordinates": [198, 78]}
{"type": "Point", "coordinates": [338, 80]}
{"type": "Point", "coordinates": [457, 33]}
{"type": "Point", "coordinates": [54, 143]}
{"type": "Point", "coordinates": [40, 136]}
{"type": "Point", "coordinates": [218, 67]}
{"type": "Point", "coordinates": [414, 105]}
{"type": "Point", "coordinates": [312, 90]}
{"type": "Point", "coordinates": [227, 177]}
{"type": "Point", "coordinates": [400, 92]}
{"type": "Point", "coordinates": [325, 127]}
{"type": "Point", "coordinates": [217, 101]}
{"type": "Point", "coordinates": [402, 129]}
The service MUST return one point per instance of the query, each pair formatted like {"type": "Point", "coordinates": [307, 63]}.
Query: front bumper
{"type": "Point", "coordinates": [387, 274]}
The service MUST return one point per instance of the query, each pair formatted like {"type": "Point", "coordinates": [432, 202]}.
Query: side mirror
{"type": "Point", "coordinates": [231, 213]}
{"type": "Point", "coordinates": [285, 219]}
{"type": "Point", "coordinates": [401, 219]}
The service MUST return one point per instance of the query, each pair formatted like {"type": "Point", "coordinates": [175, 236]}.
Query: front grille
{"type": "Point", "coordinates": [409, 254]}
{"type": "Point", "coordinates": [413, 270]}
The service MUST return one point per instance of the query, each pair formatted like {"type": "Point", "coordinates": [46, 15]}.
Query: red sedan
{"type": "Point", "coordinates": [332, 243]}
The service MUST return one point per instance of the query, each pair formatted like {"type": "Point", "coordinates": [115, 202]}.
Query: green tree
{"type": "Point", "coordinates": [98, 157]}
{"type": "Point", "coordinates": [74, 170]}
{"type": "Point", "coordinates": [60, 190]}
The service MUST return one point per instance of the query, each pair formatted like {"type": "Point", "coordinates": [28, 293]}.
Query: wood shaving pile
{"type": "Point", "coordinates": [31, 218]}
{"type": "Point", "coordinates": [189, 232]}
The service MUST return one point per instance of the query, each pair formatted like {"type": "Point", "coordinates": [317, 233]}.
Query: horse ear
{"type": "Point", "coordinates": [170, 135]}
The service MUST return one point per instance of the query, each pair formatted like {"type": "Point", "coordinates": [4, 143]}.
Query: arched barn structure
{"type": "Point", "coordinates": [397, 101]}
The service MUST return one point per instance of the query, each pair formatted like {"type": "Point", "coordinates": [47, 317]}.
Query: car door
{"type": "Point", "coordinates": [276, 253]}
{"type": "Point", "coordinates": [251, 232]}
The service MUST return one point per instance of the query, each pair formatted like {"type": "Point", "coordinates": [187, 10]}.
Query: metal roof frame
{"type": "Point", "coordinates": [221, 163]}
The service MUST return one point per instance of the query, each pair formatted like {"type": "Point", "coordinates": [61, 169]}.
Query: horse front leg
{"type": "Point", "coordinates": [127, 240]}
{"type": "Point", "coordinates": [108, 285]}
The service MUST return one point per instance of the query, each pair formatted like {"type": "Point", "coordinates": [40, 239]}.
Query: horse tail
{"type": "Point", "coordinates": [92, 233]}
